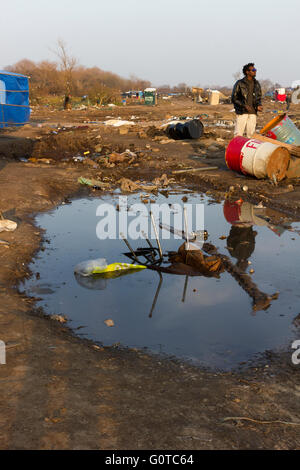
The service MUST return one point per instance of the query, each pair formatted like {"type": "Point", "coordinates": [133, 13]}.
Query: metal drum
{"type": "Point", "coordinates": [283, 129]}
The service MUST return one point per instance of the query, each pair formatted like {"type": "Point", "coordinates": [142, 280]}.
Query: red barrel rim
{"type": "Point", "coordinates": [233, 155]}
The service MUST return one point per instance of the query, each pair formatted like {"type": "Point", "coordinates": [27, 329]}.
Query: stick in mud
{"type": "Point", "coordinates": [129, 247]}
{"type": "Point", "coordinates": [192, 170]}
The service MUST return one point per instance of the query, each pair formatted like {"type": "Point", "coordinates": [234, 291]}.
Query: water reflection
{"type": "Point", "coordinates": [208, 262]}
{"type": "Point", "coordinates": [179, 309]}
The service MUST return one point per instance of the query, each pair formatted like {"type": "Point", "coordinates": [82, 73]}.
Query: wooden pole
{"type": "Point", "coordinates": [293, 149]}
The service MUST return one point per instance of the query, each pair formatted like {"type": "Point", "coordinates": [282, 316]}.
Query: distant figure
{"type": "Point", "coordinates": [288, 100]}
{"type": "Point", "coordinates": [67, 102]}
{"type": "Point", "coordinates": [246, 98]}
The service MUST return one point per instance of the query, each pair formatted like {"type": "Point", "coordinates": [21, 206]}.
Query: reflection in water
{"type": "Point", "coordinates": [241, 244]}
{"type": "Point", "coordinates": [99, 281]}
{"type": "Point", "coordinates": [91, 282]}
{"type": "Point", "coordinates": [245, 214]}
{"type": "Point", "coordinates": [179, 309]}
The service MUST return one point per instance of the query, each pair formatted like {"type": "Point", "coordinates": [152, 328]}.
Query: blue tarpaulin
{"type": "Point", "coordinates": [14, 99]}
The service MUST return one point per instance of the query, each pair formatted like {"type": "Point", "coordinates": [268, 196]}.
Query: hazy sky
{"type": "Point", "coordinates": [164, 41]}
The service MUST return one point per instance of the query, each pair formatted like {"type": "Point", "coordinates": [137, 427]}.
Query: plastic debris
{"type": "Point", "coordinates": [86, 268]}
{"type": "Point", "coordinates": [118, 123]}
{"type": "Point", "coordinates": [7, 225]}
{"type": "Point", "coordinates": [59, 318]}
{"type": "Point", "coordinates": [99, 266]}
{"type": "Point", "coordinates": [96, 184]}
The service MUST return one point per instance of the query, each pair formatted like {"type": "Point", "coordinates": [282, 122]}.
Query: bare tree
{"type": "Point", "coordinates": [67, 64]}
{"type": "Point", "coordinates": [237, 75]}
{"type": "Point", "coordinates": [266, 85]}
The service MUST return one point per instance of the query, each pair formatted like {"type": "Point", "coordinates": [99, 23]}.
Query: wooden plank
{"type": "Point", "coordinates": [192, 170]}
{"type": "Point", "coordinates": [293, 149]}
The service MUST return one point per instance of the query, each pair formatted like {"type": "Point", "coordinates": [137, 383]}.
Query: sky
{"type": "Point", "coordinates": [164, 41]}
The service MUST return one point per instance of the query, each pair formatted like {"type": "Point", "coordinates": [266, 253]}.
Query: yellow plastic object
{"type": "Point", "coordinates": [117, 267]}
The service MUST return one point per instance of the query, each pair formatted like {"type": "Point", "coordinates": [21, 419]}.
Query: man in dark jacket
{"type": "Point", "coordinates": [246, 98]}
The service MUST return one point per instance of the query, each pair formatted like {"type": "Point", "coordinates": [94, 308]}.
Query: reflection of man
{"type": "Point", "coordinates": [246, 98]}
{"type": "Point", "coordinates": [241, 244]}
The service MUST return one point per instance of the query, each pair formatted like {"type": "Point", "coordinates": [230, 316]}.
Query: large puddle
{"type": "Point", "coordinates": [206, 320]}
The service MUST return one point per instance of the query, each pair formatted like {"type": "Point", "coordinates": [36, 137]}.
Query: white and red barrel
{"type": "Point", "coordinates": [257, 158]}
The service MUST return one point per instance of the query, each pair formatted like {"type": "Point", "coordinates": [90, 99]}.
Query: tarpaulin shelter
{"type": "Point", "coordinates": [14, 99]}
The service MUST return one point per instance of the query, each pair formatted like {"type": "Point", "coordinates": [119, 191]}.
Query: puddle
{"type": "Point", "coordinates": [208, 321]}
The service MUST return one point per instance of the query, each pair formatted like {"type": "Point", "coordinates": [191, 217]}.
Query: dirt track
{"type": "Point", "coordinates": [61, 392]}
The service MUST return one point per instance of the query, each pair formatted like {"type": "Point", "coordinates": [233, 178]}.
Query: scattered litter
{"type": "Point", "coordinates": [118, 123]}
{"type": "Point", "coordinates": [163, 180]}
{"type": "Point", "coordinates": [251, 420]}
{"type": "Point", "coordinates": [128, 186]}
{"type": "Point", "coordinates": [192, 129]}
{"type": "Point", "coordinates": [193, 170]}
{"type": "Point", "coordinates": [7, 225]}
{"type": "Point", "coordinates": [78, 158]}
{"type": "Point", "coordinates": [96, 184]}
{"type": "Point", "coordinates": [109, 322]}
{"type": "Point", "coordinates": [100, 266]}
{"type": "Point", "coordinates": [59, 318]}
{"type": "Point", "coordinates": [86, 268]}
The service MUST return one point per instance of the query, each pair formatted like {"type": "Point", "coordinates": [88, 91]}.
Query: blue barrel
{"type": "Point", "coordinates": [283, 129]}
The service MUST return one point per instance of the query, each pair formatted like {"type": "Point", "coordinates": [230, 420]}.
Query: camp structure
{"type": "Point", "coordinates": [196, 91]}
{"type": "Point", "coordinates": [14, 99]}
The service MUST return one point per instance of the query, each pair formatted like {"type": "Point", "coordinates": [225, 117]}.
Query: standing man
{"type": "Point", "coordinates": [288, 100]}
{"type": "Point", "coordinates": [246, 98]}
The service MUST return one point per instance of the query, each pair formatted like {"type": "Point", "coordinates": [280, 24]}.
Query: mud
{"type": "Point", "coordinates": [61, 392]}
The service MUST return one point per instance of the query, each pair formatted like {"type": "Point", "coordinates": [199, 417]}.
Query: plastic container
{"type": "Point", "coordinates": [86, 268]}
{"type": "Point", "coordinates": [283, 129]}
{"type": "Point", "coordinates": [281, 98]}
{"type": "Point", "coordinates": [257, 158]}
{"type": "Point", "coordinates": [233, 155]}
{"type": "Point", "coordinates": [263, 159]}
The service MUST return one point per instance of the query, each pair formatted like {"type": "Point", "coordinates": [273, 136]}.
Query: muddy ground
{"type": "Point", "coordinates": [61, 392]}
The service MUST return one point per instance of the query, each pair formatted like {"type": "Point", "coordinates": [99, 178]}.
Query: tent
{"type": "Point", "coordinates": [14, 99]}
{"type": "Point", "coordinates": [296, 84]}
